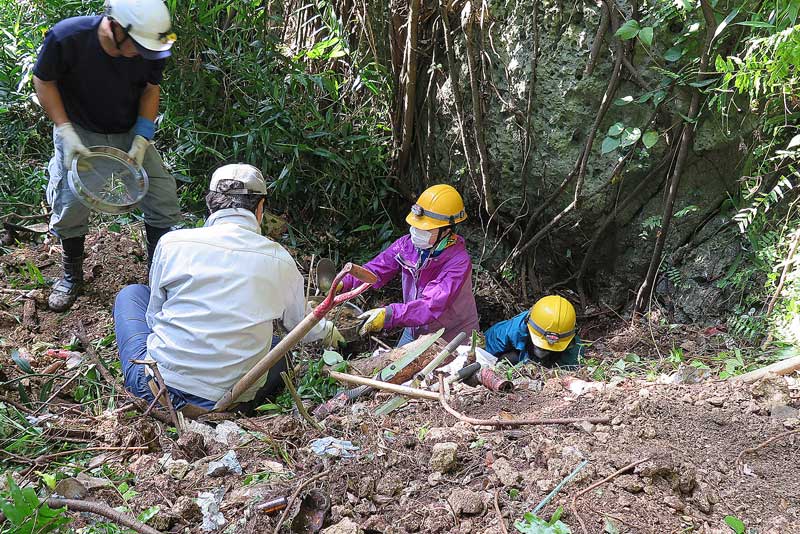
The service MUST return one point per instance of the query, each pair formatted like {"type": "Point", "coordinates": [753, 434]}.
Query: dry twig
{"type": "Point", "coordinates": [293, 498]}
{"type": "Point", "coordinates": [83, 337]}
{"type": "Point", "coordinates": [610, 477]}
{"type": "Point", "coordinates": [499, 515]}
{"type": "Point", "coordinates": [104, 510]}
{"type": "Point", "coordinates": [764, 444]}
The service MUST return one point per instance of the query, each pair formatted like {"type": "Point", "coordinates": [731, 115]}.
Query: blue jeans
{"type": "Point", "coordinates": [406, 338]}
{"type": "Point", "coordinates": [131, 330]}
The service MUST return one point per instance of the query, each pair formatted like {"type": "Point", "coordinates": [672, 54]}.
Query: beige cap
{"type": "Point", "coordinates": [251, 179]}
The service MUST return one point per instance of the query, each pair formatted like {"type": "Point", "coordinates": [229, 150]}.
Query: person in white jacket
{"type": "Point", "coordinates": [207, 317]}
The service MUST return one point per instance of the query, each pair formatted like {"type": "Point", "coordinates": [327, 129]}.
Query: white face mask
{"type": "Point", "coordinates": [421, 238]}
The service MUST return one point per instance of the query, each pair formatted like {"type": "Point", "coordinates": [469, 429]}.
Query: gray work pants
{"type": "Point", "coordinates": [71, 218]}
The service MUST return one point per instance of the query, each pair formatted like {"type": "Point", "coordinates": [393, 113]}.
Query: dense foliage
{"type": "Point", "coordinates": [241, 86]}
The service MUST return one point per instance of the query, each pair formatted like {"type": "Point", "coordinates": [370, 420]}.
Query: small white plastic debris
{"type": "Point", "coordinates": [333, 448]}
{"type": "Point", "coordinates": [209, 502]}
{"type": "Point", "coordinates": [226, 465]}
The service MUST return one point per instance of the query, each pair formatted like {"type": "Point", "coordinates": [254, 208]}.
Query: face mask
{"type": "Point", "coordinates": [420, 238]}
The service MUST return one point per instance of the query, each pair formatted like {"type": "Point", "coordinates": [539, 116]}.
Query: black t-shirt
{"type": "Point", "coordinates": [100, 93]}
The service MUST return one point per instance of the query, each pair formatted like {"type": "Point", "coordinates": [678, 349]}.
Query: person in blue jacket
{"type": "Point", "coordinates": [545, 334]}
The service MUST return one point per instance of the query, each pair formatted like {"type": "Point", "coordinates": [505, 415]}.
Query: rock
{"type": "Point", "coordinates": [162, 521]}
{"type": "Point", "coordinates": [71, 488]}
{"type": "Point", "coordinates": [792, 423]}
{"type": "Point", "coordinates": [228, 433]}
{"type": "Point", "coordinates": [366, 487]}
{"type": "Point", "coordinates": [191, 446]}
{"type": "Point", "coordinates": [630, 483]}
{"type": "Point", "coordinates": [434, 478]}
{"type": "Point", "coordinates": [674, 503]}
{"type": "Point", "coordinates": [602, 437]}
{"type": "Point", "coordinates": [186, 508]}
{"type": "Point", "coordinates": [506, 473]}
{"type": "Point", "coordinates": [389, 485]}
{"type": "Point", "coordinates": [443, 457]}
{"type": "Point", "coordinates": [177, 469]}
{"type": "Point", "coordinates": [345, 526]}
{"type": "Point", "coordinates": [209, 502]}
{"type": "Point", "coordinates": [781, 412]}
{"type": "Point", "coordinates": [227, 465]}
{"type": "Point", "coordinates": [716, 401]}
{"type": "Point", "coordinates": [440, 434]}
{"type": "Point", "coordinates": [466, 502]}
{"type": "Point", "coordinates": [544, 484]}
{"type": "Point", "coordinates": [586, 426]}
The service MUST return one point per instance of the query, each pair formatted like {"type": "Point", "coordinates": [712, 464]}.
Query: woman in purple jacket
{"type": "Point", "coordinates": [436, 272]}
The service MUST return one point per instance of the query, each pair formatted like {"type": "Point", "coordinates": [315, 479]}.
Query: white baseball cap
{"type": "Point", "coordinates": [251, 180]}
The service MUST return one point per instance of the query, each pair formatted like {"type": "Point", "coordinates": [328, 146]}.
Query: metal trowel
{"type": "Point", "coordinates": [326, 272]}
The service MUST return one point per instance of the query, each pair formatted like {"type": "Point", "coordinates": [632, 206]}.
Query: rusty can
{"type": "Point", "coordinates": [492, 381]}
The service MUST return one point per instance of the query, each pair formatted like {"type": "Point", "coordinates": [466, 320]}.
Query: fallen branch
{"type": "Point", "coordinates": [83, 337]}
{"type": "Point", "coordinates": [612, 476]}
{"type": "Point", "coordinates": [783, 367]}
{"type": "Point", "coordinates": [104, 510]}
{"type": "Point", "coordinates": [499, 515]}
{"type": "Point", "coordinates": [385, 386]}
{"type": "Point", "coordinates": [765, 443]}
{"type": "Point", "coordinates": [293, 498]}
{"type": "Point", "coordinates": [444, 391]}
{"type": "Point", "coordinates": [162, 390]}
{"type": "Point", "coordinates": [43, 458]}
{"type": "Point", "coordinates": [299, 402]}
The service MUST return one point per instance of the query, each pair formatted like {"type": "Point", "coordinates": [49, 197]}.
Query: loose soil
{"type": "Point", "coordinates": [688, 437]}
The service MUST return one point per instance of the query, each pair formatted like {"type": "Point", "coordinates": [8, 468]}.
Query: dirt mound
{"type": "Point", "coordinates": [692, 444]}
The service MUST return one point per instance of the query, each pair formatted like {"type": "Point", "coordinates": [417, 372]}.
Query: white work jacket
{"type": "Point", "coordinates": [214, 292]}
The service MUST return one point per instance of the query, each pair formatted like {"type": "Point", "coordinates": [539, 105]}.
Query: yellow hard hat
{"type": "Point", "coordinates": [438, 206]}
{"type": "Point", "coordinates": [551, 323]}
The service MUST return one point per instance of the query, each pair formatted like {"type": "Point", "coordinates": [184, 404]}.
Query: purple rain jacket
{"type": "Point", "coordinates": [437, 295]}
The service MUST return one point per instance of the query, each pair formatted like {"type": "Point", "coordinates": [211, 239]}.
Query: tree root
{"type": "Point", "coordinates": [102, 509]}
{"type": "Point", "coordinates": [764, 444]}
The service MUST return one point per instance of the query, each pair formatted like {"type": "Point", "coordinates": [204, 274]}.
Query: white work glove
{"type": "Point", "coordinates": [138, 149]}
{"type": "Point", "coordinates": [71, 143]}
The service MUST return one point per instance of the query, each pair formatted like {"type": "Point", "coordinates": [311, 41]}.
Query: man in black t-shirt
{"type": "Point", "coordinates": [98, 80]}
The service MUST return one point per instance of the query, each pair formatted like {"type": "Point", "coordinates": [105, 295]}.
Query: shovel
{"type": "Point", "coordinates": [326, 272]}
{"type": "Point", "coordinates": [299, 332]}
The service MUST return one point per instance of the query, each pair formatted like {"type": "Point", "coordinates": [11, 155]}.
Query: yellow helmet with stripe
{"type": "Point", "coordinates": [439, 205]}
{"type": "Point", "coordinates": [551, 323]}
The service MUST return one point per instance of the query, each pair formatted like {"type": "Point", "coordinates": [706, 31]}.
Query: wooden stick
{"type": "Point", "coordinates": [293, 498]}
{"type": "Point", "coordinates": [385, 386]}
{"type": "Point", "coordinates": [509, 422]}
{"type": "Point", "coordinates": [784, 367]}
{"type": "Point", "coordinates": [41, 459]}
{"type": "Point", "coordinates": [104, 510]}
{"type": "Point", "coordinates": [299, 402]}
{"type": "Point", "coordinates": [499, 515]}
{"type": "Point", "coordinates": [765, 443]}
{"type": "Point", "coordinates": [83, 337]}
{"type": "Point", "coordinates": [612, 476]}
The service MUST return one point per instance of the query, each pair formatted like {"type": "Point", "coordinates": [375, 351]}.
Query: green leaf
{"type": "Point", "coordinates": [616, 129]}
{"type": "Point", "coordinates": [21, 362]}
{"type": "Point", "coordinates": [735, 523]}
{"type": "Point", "coordinates": [630, 136]}
{"type": "Point", "coordinates": [755, 24]}
{"type": "Point", "coordinates": [269, 407]}
{"type": "Point", "coordinates": [609, 145]}
{"type": "Point", "coordinates": [629, 30]}
{"type": "Point", "coordinates": [148, 514]}
{"type": "Point", "coordinates": [673, 54]}
{"type": "Point", "coordinates": [724, 23]}
{"type": "Point", "coordinates": [624, 101]}
{"type": "Point", "coordinates": [659, 97]}
{"type": "Point", "coordinates": [331, 357]}
{"type": "Point", "coordinates": [704, 83]}
{"type": "Point", "coordinates": [650, 138]}
{"type": "Point", "coordinates": [794, 142]}
{"type": "Point", "coordinates": [646, 35]}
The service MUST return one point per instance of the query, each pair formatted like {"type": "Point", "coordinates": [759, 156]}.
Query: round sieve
{"type": "Point", "coordinates": [106, 180]}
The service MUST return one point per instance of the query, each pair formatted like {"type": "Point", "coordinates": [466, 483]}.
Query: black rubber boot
{"type": "Point", "coordinates": [66, 290]}
{"type": "Point", "coordinates": [153, 234]}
